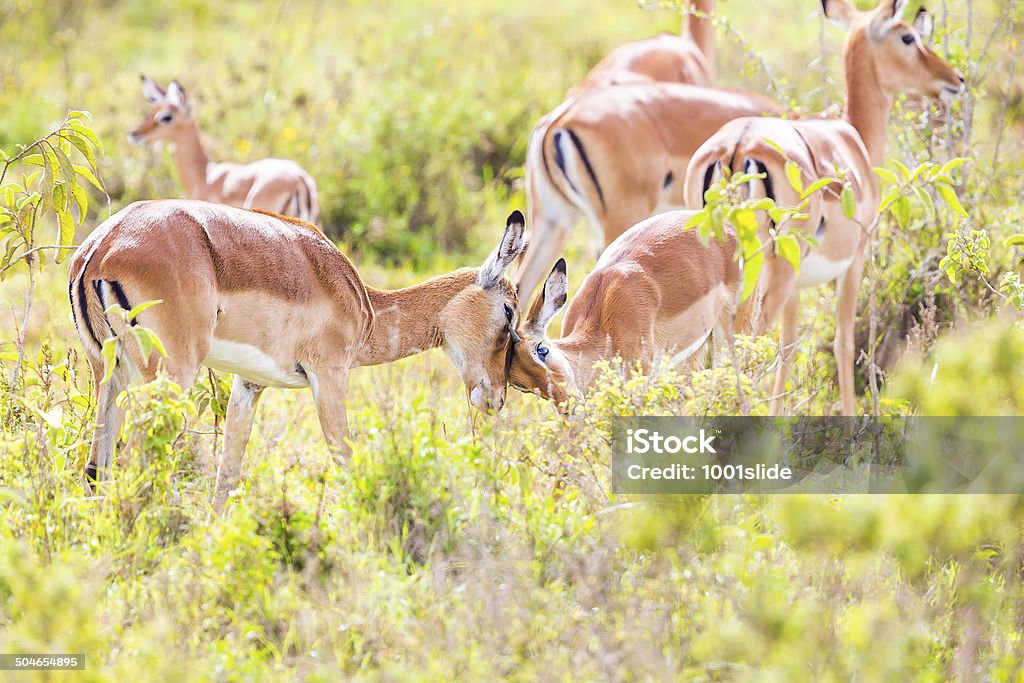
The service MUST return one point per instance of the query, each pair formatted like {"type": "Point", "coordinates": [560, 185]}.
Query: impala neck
{"type": "Point", "coordinates": [408, 321]}
{"type": "Point", "coordinates": [702, 32]}
{"type": "Point", "coordinates": [581, 353]}
{"type": "Point", "coordinates": [191, 160]}
{"type": "Point", "coordinates": [867, 105]}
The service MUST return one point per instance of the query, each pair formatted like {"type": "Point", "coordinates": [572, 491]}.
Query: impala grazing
{"type": "Point", "coordinates": [685, 58]}
{"type": "Point", "coordinates": [656, 290]}
{"type": "Point", "coordinates": [273, 301]}
{"type": "Point", "coordinates": [276, 185]}
{"type": "Point", "coordinates": [883, 56]}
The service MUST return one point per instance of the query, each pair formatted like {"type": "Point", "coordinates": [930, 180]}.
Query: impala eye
{"type": "Point", "coordinates": [165, 118]}
{"type": "Point", "coordinates": [508, 313]}
{"type": "Point", "coordinates": [542, 352]}
{"type": "Point", "coordinates": [908, 39]}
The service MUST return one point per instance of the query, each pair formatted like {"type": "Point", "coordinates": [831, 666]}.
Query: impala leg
{"type": "Point", "coordinates": [109, 417]}
{"type": "Point", "coordinates": [547, 240]}
{"type": "Point", "coordinates": [846, 314]}
{"type": "Point", "coordinates": [237, 427]}
{"type": "Point", "coordinates": [329, 397]}
{"type": "Point", "coordinates": [790, 313]}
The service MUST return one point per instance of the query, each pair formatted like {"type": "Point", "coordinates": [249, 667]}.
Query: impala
{"type": "Point", "coordinates": [685, 58]}
{"type": "Point", "coordinates": [656, 290]}
{"type": "Point", "coordinates": [615, 156]}
{"type": "Point", "coordinates": [277, 185]}
{"type": "Point", "coordinates": [273, 301]}
{"type": "Point", "coordinates": [883, 56]}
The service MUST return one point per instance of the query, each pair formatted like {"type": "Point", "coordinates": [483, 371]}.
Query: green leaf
{"type": "Point", "coordinates": [925, 198]}
{"type": "Point", "coordinates": [751, 272]}
{"type": "Point", "coordinates": [887, 175]}
{"type": "Point", "coordinates": [793, 173]}
{"type": "Point", "coordinates": [788, 248]}
{"type": "Point", "coordinates": [49, 177]}
{"type": "Point", "coordinates": [848, 202]}
{"type": "Point", "coordinates": [901, 209]}
{"type": "Point", "coordinates": [67, 233]}
{"type": "Point", "coordinates": [86, 133]}
{"type": "Point", "coordinates": [148, 341]}
{"type": "Point", "coordinates": [88, 175]}
{"type": "Point", "coordinates": [817, 185]}
{"type": "Point", "coordinates": [84, 149]}
{"type": "Point", "coordinates": [696, 219]}
{"type": "Point", "coordinates": [952, 165]}
{"type": "Point", "coordinates": [891, 196]}
{"type": "Point", "coordinates": [81, 201]}
{"type": "Point", "coordinates": [109, 354]}
{"type": "Point", "coordinates": [33, 160]}
{"type": "Point", "coordinates": [949, 196]}
{"type": "Point", "coordinates": [902, 168]}
{"type": "Point", "coordinates": [1014, 241]}
{"type": "Point", "coordinates": [134, 313]}
{"type": "Point", "coordinates": [145, 343]}
{"type": "Point", "coordinates": [745, 222]}
{"type": "Point", "coordinates": [774, 145]}
{"type": "Point", "coordinates": [79, 114]}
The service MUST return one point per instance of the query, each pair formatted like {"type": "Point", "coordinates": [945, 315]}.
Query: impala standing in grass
{"type": "Point", "coordinates": [273, 301]}
{"type": "Point", "coordinates": [656, 290]}
{"type": "Point", "coordinates": [276, 185]}
{"type": "Point", "coordinates": [883, 56]}
{"type": "Point", "coordinates": [615, 155]}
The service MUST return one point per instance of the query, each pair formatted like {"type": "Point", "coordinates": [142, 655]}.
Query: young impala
{"type": "Point", "coordinates": [273, 301]}
{"type": "Point", "coordinates": [883, 56]}
{"type": "Point", "coordinates": [277, 185]}
{"type": "Point", "coordinates": [688, 57]}
{"type": "Point", "coordinates": [655, 290]}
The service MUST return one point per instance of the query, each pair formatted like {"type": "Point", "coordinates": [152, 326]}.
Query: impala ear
{"type": "Point", "coordinates": [924, 25]}
{"type": "Point", "coordinates": [176, 95]}
{"type": "Point", "coordinates": [839, 12]}
{"type": "Point", "coordinates": [151, 90]}
{"type": "Point", "coordinates": [550, 301]}
{"type": "Point", "coordinates": [508, 249]}
{"type": "Point", "coordinates": [888, 13]}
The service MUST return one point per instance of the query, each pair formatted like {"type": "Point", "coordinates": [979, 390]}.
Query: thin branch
{"type": "Point", "coordinates": [28, 254]}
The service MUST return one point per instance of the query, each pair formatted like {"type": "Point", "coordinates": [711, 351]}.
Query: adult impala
{"type": "Point", "coordinates": [883, 56]}
{"type": "Point", "coordinates": [655, 290]}
{"type": "Point", "coordinates": [614, 156]}
{"type": "Point", "coordinates": [688, 57]}
{"type": "Point", "coordinates": [273, 301]}
{"type": "Point", "coordinates": [277, 185]}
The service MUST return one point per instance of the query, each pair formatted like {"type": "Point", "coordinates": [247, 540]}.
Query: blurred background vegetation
{"type": "Point", "coordinates": [459, 547]}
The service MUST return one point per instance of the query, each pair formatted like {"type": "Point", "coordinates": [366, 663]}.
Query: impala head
{"type": "Point", "coordinates": [170, 112]}
{"type": "Point", "coordinates": [538, 366]}
{"type": "Point", "coordinates": [479, 323]}
{"type": "Point", "coordinates": [895, 52]}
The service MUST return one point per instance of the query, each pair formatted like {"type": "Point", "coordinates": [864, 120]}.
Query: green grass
{"type": "Point", "coordinates": [458, 546]}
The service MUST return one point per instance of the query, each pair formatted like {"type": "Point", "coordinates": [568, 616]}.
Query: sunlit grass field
{"type": "Point", "coordinates": [458, 546]}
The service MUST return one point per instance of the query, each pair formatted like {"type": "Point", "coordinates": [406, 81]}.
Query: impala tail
{"type": "Point", "coordinates": [569, 168]}
{"type": "Point", "coordinates": [90, 300]}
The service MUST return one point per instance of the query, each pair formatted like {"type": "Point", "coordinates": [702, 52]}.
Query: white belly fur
{"type": "Point", "coordinates": [817, 270]}
{"type": "Point", "coordinates": [252, 364]}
